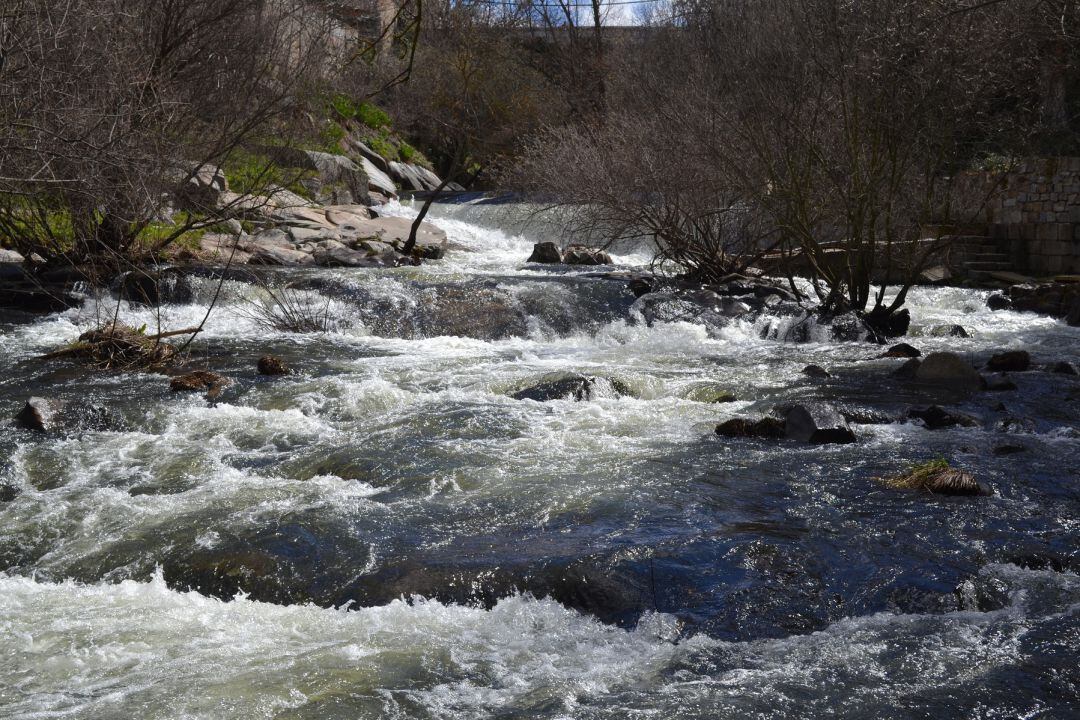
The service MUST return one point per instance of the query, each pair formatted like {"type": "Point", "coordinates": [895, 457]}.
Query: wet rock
{"type": "Point", "coordinates": [816, 371]}
{"type": "Point", "coordinates": [945, 368]}
{"type": "Point", "coordinates": [199, 381]}
{"type": "Point", "coordinates": [817, 424]}
{"type": "Point", "coordinates": [935, 417]}
{"type": "Point", "coordinates": [909, 370]}
{"type": "Point", "coordinates": [901, 350]}
{"type": "Point", "coordinates": [893, 325]}
{"type": "Point", "coordinates": [949, 331]}
{"type": "Point", "coordinates": [1011, 361]}
{"type": "Point", "coordinates": [999, 383]}
{"type": "Point", "coordinates": [1060, 300]}
{"type": "Point", "coordinates": [39, 414]}
{"type": "Point", "coordinates": [939, 478]}
{"type": "Point", "coordinates": [767, 428]}
{"type": "Point", "coordinates": [272, 365]}
{"type": "Point", "coordinates": [331, 253]}
{"type": "Point", "coordinates": [546, 252]}
{"type": "Point", "coordinates": [57, 416]}
{"type": "Point", "coordinates": [1008, 449]}
{"type": "Point", "coordinates": [1064, 368]}
{"type": "Point", "coordinates": [578, 388]}
{"type": "Point", "coordinates": [997, 301]}
{"type": "Point", "coordinates": [711, 394]}
{"type": "Point", "coordinates": [9, 492]}
{"type": "Point", "coordinates": [581, 255]}
{"type": "Point", "coordinates": [641, 286]}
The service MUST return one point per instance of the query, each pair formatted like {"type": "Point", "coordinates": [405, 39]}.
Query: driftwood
{"type": "Point", "coordinates": [115, 346]}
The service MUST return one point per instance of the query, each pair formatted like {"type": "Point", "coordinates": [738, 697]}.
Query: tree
{"type": "Point", "coordinates": [108, 106]}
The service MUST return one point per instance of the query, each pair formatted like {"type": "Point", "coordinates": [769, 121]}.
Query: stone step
{"type": "Point", "coordinates": [987, 266]}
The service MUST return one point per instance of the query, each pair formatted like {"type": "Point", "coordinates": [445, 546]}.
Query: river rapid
{"type": "Point", "coordinates": [386, 533]}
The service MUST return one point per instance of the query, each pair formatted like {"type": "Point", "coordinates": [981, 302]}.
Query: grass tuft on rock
{"type": "Point", "coordinates": [938, 477]}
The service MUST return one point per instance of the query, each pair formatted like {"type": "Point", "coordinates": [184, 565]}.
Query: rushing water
{"type": "Point", "coordinates": [387, 533]}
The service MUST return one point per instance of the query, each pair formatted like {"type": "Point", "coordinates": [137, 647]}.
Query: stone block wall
{"type": "Point", "coordinates": [1035, 217]}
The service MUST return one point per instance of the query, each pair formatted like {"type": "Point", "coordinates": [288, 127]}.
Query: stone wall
{"type": "Point", "coordinates": [1035, 217]}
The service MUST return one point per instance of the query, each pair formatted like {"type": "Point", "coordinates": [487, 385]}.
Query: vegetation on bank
{"type": "Point", "coordinates": [832, 137]}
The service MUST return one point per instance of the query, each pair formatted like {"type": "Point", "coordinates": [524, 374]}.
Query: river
{"type": "Point", "coordinates": [387, 533]}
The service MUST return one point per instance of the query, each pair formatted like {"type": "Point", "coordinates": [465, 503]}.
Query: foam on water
{"type": "Point", "coordinates": [141, 649]}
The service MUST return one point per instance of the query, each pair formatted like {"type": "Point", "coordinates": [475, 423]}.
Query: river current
{"type": "Point", "coordinates": [386, 533]}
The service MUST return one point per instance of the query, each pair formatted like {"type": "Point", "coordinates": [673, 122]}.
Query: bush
{"type": "Point", "coordinates": [371, 116]}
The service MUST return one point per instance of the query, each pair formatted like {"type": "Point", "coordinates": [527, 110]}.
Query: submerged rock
{"type": "Point", "coordinates": [817, 424]}
{"type": "Point", "coordinates": [1010, 361]}
{"type": "Point", "coordinates": [578, 388]}
{"type": "Point", "coordinates": [1008, 449]}
{"type": "Point", "coordinates": [909, 370]}
{"type": "Point", "coordinates": [999, 383]}
{"type": "Point", "coordinates": [949, 331]}
{"type": "Point", "coordinates": [39, 414]}
{"type": "Point", "coordinates": [546, 252]}
{"type": "Point", "coordinates": [945, 368]}
{"type": "Point", "coordinates": [935, 417]}
{"type": "Point", "coordinates": [816, 371]}
{"type": "Point", "coordinates": [766, 428]}
{"type": "Point", "coordinates": [9, 492]}
{"type": "Point", "coordinates": [1064, 368]}
{"type": "Point", "coordinates": [272, 365]}
{"type": "Point", "coordinates": [939, 478]}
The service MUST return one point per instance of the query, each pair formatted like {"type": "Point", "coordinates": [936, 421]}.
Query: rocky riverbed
{"type": "Point", "coordinates": [496, 488]}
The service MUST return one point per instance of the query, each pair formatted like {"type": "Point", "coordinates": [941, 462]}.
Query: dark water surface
{"type": "Point", "coordinates": [386, 533]}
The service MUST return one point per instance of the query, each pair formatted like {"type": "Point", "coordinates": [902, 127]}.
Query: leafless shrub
{"type": "Point", "coordinates": [284, 309]}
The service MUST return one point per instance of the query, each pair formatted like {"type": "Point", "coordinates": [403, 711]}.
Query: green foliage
{"type": "Point", "coordinates": [372, 116]}
{"type": "Point", "coordinates": [252, 173]}
{"type": "Point", "coordinates": [382, 145]}
{"type": "Point", "coordinates": [330, 138]}
{"type": "Point", "coordinates": [406, 152]}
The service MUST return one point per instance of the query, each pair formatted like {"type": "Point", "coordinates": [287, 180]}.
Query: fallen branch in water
{"type": "Point", "coordinates": [115, 347]}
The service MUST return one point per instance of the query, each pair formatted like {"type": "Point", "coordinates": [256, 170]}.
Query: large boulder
{"type": "Point", "coordinates": [337, 178]}
{"type": "Point", "coordinates": [378, 180]}
{"type": "Point", "coordinates": [546, 252]}
{"type": "Point", "coordinates": [1058, 299]}
{"type": "Point", "coordinates": [330, 253]}
{"type": "Point", "coordinates": [10, 256]}
{"type": "Point", "coordinates": [413, 177]}
{"type": "Point", "coordinates": [1010, 361]}
{"type": "Point", "coordinates": [817, 424]}
{"type": "Point", "coordinates": [277, 255]}
{"type": "Point", "coordinates": [946, 368]}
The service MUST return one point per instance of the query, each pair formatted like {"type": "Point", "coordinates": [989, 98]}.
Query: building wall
{"type": "Point", "coordinates": [1036, 216]}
